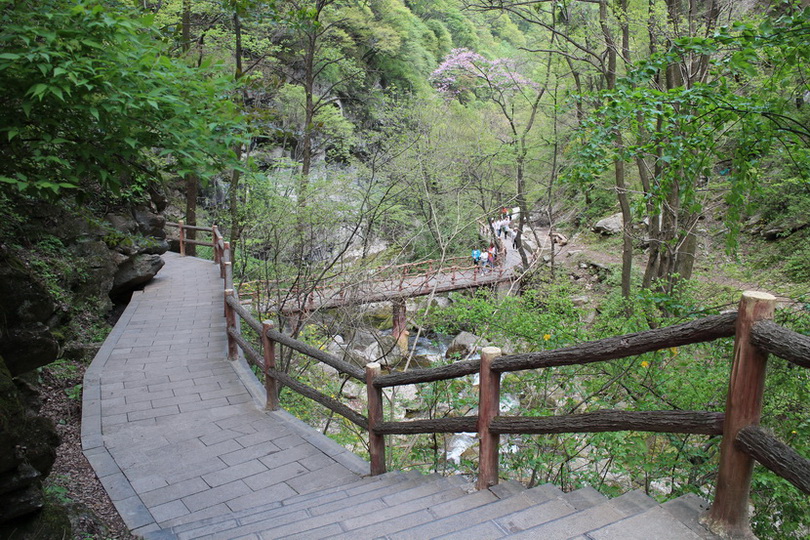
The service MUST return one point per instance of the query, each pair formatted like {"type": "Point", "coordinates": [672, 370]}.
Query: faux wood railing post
{"type": "Point", "coordinates": [228, 271]}
{"type": "Point", "coordinates": [376, 443]}
{"type": "Point", "coordinates": [214, 237]}
{"type": "Point", "coordinates": [182, 239]}
{"type": "Point", "coordinates": [399, 323]}
{"type": "Point", "coordinates": [269, 349]}
{"type": "Point", "coordinates": [226, 258]}
{"type": "Point", "coordinates": [230, 321]}
{"type": "Point", "coordinates": [489, 397]}
{"type": "Point", "coordinates": [728, 515]}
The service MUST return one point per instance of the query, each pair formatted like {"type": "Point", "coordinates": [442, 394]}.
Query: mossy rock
{"type": "Point", "coordinates": [52, 521]}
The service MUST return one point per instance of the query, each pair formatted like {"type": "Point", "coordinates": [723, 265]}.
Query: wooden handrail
{"type": "Point", "coordinates": [313, 352]}
{"type": "Point", "coordinates": [441, 373]}
{"type": "Point", "coordinates": [188, 227]}
{"type": "Point", "coordinates": [752, 337]}
{"type": "Point", "coordinates": [184, 240]}
{"type": "Point", "coordinates": [701, 330]}
{"type": "Point", "coordinates": [775, 455]}
{"type": "Point", "coordinates": [782, 342]}
{"type": "Point", "coordinates": [697, 422]}
{"type": "Point", "coordinates": [452, 424]}
{"type": "Point", "coordinates": [328, 402]}
{"type": "Point", "coordinates": [693, 422]}
{"type": "Point", "coordinates": [198, 242]}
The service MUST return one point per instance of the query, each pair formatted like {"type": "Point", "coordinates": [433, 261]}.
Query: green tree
{"type": "Point", "coordinates": [94, 102]}
{"type": "Point", "coordinates": [690, 138]}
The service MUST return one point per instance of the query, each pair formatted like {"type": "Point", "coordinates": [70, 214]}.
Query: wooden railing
{"type": "Point", "coordinates": [743, 440]}
{"type": "Point", "coordinates": [373, 285]}
{"type": "Point", "coordinates": [221, 248]}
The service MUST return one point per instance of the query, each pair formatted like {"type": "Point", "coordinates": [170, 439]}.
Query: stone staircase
{"type": "Point", "coordinates": [409, 505]}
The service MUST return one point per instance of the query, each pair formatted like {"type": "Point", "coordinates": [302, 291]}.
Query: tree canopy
{"type": "Point", "coordinates": [93, 99]}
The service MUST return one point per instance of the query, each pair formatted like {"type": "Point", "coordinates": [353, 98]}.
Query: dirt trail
{"type": "Point", "coordinates": [576, 252]}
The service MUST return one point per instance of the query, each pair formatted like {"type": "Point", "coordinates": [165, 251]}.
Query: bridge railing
{"type": "Point", "coordinates": [743, 441]}
{"type": "Point", "coordinates": [370, 285]}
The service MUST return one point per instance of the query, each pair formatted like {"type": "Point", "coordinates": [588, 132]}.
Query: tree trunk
{"type": "Point", "coordinates": [621, 187]}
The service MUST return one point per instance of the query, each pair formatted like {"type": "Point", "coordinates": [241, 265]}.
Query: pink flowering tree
{"type": "Point", "coordinates": [464, 72]}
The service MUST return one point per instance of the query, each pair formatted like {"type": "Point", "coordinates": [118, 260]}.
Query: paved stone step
{"type": "Point", "coordinates": [364, 484]}
{"type": "Point", "coordinates": [520, 525]}
{"type": "Point", "coordinates": [560, 508]}
{"type": "Point", "coordinates": [359, 492]}
{"type": "Point", "coordinates": [397, 494]}
{"type": "Point", "coordinates": [583, 498]}
{"type": "Point", "coordinates": [449, 507]}
{"type": "Point", "coordinates": [507, 488]}
{"type": "Point", "coordinates": [687, 509]}
{"type": "Point", "coordinates": [472, 500]}
{"type": "Point", "coordinates": [351, 515]}
{"type": "Point", "coordinates": [653, 523]}
{"type": "Point", "coordinates": [493, 510]}
{"type": "Point", "coordinates": [404, 514]}
{"type": "Point", "coordinates": [514, 521]}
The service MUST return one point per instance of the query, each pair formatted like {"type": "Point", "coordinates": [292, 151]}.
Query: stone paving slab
{"type": "Point", "coordinates": [175, 431]}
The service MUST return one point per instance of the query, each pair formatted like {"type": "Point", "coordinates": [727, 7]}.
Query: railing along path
{"type": "Point", "coordinates": [373, 285]}
{"type": "Point", "coordinates": [743, 440]}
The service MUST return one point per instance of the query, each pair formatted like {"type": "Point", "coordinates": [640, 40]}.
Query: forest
{"type": "Point", "coordinates": [332, 136]}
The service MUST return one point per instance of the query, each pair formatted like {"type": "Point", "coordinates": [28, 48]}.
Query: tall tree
{"type": "Point", "coordinates": [95, 104]}
{"type": "Point", "coordinates": [517, 99]}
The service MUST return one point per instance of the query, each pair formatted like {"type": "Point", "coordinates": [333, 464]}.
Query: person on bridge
{"type": "Point", "coordinates": [484, 261]}
{"type": "Point", "coordinates": [476, 255]}
{"type": "Point", "coordinates": [493, 254]}
{"type": "Point", "coordinates": [513, 238]}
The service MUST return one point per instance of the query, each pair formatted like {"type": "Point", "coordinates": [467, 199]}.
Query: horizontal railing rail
{"type": "Point", "coordinates": [775, 455]}
{"type": "Point", "coordinates": [755, 336]}
{"type": "Point", "coordinates": [782, 342]}
{"type": "Point", "coordinates": [374, 285]}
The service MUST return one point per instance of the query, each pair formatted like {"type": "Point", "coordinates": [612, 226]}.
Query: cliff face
{"type": "Point", "coordinates": [62, 271]}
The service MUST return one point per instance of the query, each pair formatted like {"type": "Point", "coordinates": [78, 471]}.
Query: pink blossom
{"type": "Point", "coordinates": [463, 69]}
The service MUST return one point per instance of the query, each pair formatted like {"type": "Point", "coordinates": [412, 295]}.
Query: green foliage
{"type": "Point", "coordinates": [95, 101]}
{"type": "Point", "coordinates": [686, 130]}
{"type": "Point", "coordinates": [797, 267]}
{"type": "Point", "coordinates": [63, 369]}
{"type": "Point", "coordinates": [74, 392]}
{"type": "Point", "coordinates": [55, 487]}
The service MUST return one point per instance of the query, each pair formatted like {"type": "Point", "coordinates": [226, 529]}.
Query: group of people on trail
{"type": "Point", "coordinates": [502, 226]}
{"type": "Point", "coordinates": [496, 252]}
{"type": "Point", "coordinates": [486, 258]}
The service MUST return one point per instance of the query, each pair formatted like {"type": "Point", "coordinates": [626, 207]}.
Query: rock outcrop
{"type": "Point", "coordinates": [609, 226]}
{"type": "Point", "coordinates": [62, 263]}
{"type": "Point", "coordinates": [27, 452]}
{"type": "Point", "coordinates": [25, 307]}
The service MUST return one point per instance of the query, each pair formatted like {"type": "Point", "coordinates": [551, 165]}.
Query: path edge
{"type": "Point", "coordinates": [345, 457]}
{"type": "Point", "coordinates": [131, 508]}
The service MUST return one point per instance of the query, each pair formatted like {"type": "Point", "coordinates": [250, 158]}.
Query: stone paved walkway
{"type": "Point", "coordinates": [175, 431]}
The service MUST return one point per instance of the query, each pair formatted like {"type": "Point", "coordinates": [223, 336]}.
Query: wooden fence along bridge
{"type": "Point", "coordinates": [172, 427]}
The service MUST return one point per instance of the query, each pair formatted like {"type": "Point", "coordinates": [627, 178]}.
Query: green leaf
{"type": "Point", "coordinates": [38, 90]}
